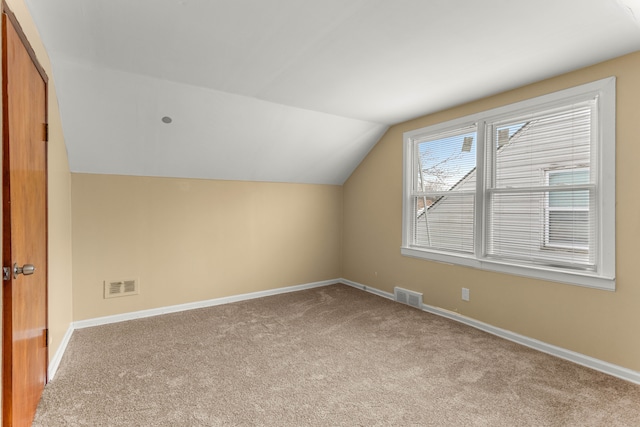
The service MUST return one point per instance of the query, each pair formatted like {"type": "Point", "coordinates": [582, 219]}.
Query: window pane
{"type": "Point", "coordinates": [520, 230]}
{"type": "Point", "coordinates": [569, 199]}
{"type": "Point", "coordinates": [446, 224]}
{"type": "Point", "coordinates": [548, 149]}
{"type": "Point", "coordinates": [569, 229]}
{"type": "Point", "coordinates": [526, 147]}
{"type": "Point", "coordinates": [569, 177]}
{"type": "Point", "coordinates": [447, 163]}
{"type": "Point", "coordinates": [516, 225]}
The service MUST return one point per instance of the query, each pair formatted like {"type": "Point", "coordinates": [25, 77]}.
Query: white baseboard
{"type": "Point", "coordinates": [581, 359]}
{"type": "Point", "coordinates": [378, 292]}
{"type": "Point", "coordinates": [572, 356]}
{"type": "Point", "coordinates": [54, 363]}
{"type": "Point", "coordinates": [198, 304]}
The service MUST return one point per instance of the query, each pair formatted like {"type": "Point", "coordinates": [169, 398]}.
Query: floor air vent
{"type": "Point", "coordinates": [120, 288]}
{"type": "Point", "coordinates": [405, 296]}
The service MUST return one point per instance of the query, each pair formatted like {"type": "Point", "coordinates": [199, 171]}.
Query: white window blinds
{"type": "Point", "coordinates": [444, 190]}
{"type": "Point", "coordinates": [540, 193]}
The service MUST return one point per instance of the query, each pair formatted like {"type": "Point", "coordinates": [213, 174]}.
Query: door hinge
{"type": "Point", "coordinates": [46, 337]}
{"type": "Point", "coordinates": [46, 132]}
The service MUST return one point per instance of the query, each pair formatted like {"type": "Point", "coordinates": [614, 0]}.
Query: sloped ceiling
{"type": "Point", "coordinates": [294, 90]}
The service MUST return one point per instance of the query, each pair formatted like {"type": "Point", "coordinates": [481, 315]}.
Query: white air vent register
{"type": "Point", "coordinates": [405, 296]}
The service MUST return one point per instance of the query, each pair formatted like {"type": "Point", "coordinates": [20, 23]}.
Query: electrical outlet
{"type": "Point", "coordinates": [465, 294]}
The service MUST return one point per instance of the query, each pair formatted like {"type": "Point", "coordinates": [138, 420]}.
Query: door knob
{"type": "Point", "coordinates": [26, 269]}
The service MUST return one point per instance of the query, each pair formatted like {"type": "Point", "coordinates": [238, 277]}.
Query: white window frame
{"type": "Point", "coordinates": [603, 132]}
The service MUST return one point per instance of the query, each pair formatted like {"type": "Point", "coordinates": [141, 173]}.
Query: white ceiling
{"type": "Point", "coordinates": [295, 90]}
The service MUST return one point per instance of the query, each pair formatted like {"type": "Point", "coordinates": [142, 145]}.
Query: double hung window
{"type": "Point", "coordinates": [526, 189]}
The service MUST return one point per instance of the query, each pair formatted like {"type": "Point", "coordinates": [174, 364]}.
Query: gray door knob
{"type": "Point", "coordinates": [26, 269]}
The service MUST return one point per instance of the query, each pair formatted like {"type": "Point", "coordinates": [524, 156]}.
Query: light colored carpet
{"type": "Point", "coordinates": [330, 356]}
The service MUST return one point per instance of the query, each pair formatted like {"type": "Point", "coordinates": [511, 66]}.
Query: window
{"type": "Point", "coordinates": [444, 184]}
{"type": "Point", "coordinates": [567, 212]}
{"type": "Point", "coordinates": [526, 189]}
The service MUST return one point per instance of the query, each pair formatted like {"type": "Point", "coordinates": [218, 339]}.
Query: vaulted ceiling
{"type": "Point", "coordinates": [295, 90]}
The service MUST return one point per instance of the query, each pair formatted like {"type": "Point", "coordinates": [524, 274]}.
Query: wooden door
{"type": "Point", "coordinates": [24, 203]}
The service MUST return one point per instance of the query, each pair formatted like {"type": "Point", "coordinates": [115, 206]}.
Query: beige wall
{"type": "Point", "coordinates": [601, 324]}
{"type": "Point", "coordinates": [60, 261]}
{"type": "Point", "coordinates": [190, 240]}
{"type": "Point", "coordinates": [60, 298]}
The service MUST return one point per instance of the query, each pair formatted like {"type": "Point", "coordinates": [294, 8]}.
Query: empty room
{"type": "Point", "coordinates": [320, 213]}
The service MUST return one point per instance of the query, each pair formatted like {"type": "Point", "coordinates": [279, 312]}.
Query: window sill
{"type": "Point", "coordinates": [549, 274]}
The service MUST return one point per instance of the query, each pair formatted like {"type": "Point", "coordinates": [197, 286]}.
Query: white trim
{"type": "Point", "coordinates": [54, 363]}
{"type": "Point", "coordinates": [369, 289]}
{"type": "Point", "coordinates": [572, 356]}
{"type": "Point", "coordinates": [607, 176]}
{"type": "Point", "coordinates": [585, 279]}
{"type": "Point", "coordinates": [194, 305]}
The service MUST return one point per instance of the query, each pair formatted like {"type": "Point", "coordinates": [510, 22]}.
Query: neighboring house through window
{"type": "Point", "coordinates": [567, 212]}
{"type": "Point", "coordinates": [526, 189]}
